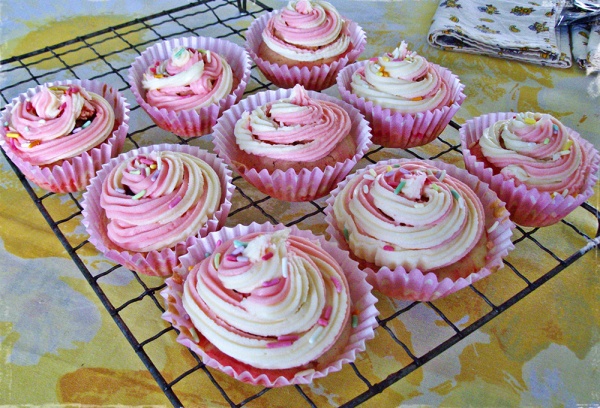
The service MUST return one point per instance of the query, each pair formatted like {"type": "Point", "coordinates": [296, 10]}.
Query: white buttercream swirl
{"type": "Point", "coordinates": [535, 149]}
{"type": "Point", "coordinates": [307, 30]}
{"type": "Point", "coordinates": [402, 81]}
{"type": "Point", "coordinates": [272, 301]}
{"type": "Point", "coordinates": [412, 215]}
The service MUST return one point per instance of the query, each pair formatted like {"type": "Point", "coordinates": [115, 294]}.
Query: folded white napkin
{"type": "Point", "coordinates": [524, 31]}
{"type": "Point", "coordinates": [593, 48]}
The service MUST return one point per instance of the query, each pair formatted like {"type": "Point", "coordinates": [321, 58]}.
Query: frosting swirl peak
{"type": "Point", "coordinates": [402, 81]}
{"type": "Point", "coordinates": [190, 79]}
{"type": "Point", "coordinates": [410, 214]}
{"type": "Point", "coordinates": [155, 201]}
{"type": "Point", "coordinates": [58, 123]}
{"type": "Point", "coordinates": [299, 128]}
{"type": "Point", "coordinates": [307, 30]}
{"type": "Point", "coordinates": [535, 149]}
{"type": "Point", "coordinates": [271, 300]}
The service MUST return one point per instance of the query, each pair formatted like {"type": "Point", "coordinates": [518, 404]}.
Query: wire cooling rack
{"type": "Point", "coordinates": [106, 56]}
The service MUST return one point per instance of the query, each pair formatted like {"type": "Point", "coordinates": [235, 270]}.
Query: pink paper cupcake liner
{"type": "Point", "coordinates": [403, 130]}
{"type": "Point", "coordinates": [72, 174]}
{"type": "Point", "coordinates": [528, 206]}
{"type": "Point", "coordinates": [418, 285]}
{"type": "Point", "coordinates": [316, 78]}
{"type": "Point", "coordinates": [289, 185]}
{"type": "Point", "coordinates": [153, 263]}
{"type": "Point", "coordinates": [190, 123]}
{"type": "Point", "coordinates": [363, 303]}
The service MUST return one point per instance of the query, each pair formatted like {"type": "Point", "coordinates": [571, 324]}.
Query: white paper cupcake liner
{"type": "Point", "coordinates": [363, 303]}
{"type": "Point", "coordinates": [153, 263]}
{"type": "Point", "coordinates": [419, 285]}
{"type": "Point", "coordinates": [289, 185]}
{"type": "Point", "coordinates": [72, 174]}
{"type": "Point", "coordinates": [316, 78]}
{"type": "Point", "coordinates": [403, 130]}
{"type": "Point", "coordinates": [528, 206]}
{"type": "Point", "coordinates": [190, 123]}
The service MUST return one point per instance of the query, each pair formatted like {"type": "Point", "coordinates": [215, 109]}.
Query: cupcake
{"type": "Point", "coordinates": [145, 207]}
{"type": "Point", "coordinates": [184, 84]}
{"type": "Point", "coordinates": [59, 134]}
{"type": "Point", "coordinates": [270, 305]}
{"type": "Point", "coordinates": [542, 169]}
{"type": "Point", "coordinates": [306, 43]}
{"type": "Point", "coordinates": [292, 144]}
{"type": "Point", "coordinates": [407, 100]}
{"type": "Point", "coordinates": [420, 229]}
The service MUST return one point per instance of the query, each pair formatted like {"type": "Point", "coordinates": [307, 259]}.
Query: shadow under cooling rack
{"type": "Point", "coordinates": [106, 56]}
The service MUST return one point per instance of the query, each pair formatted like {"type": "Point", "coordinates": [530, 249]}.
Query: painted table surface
{"type": "Point", "coordinates": [58, 344]}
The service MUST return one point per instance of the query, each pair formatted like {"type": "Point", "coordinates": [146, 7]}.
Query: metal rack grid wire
{"type": "Point", "coordinates": [106, 55]}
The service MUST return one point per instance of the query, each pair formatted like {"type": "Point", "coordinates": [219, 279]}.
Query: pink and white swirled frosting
{"type": "Point", "coordinates": [270, 300]}
{"type": "Point", "coordinates": [297, 128]}
{"type": "Point", "coordinates": [410, 214]}
{"type": "Point", "coordinates": [402, 81]}
{"type": "Point", "coordinates": [157, 200]}
{"type": "Point", "coordinates": [58, 123]}
{"type": "Point", "coordinates": [190, 79]}
{"type": "Point", "coordinates": [536, 149]}
{"type": "Point", "coordinates": [307, 30]}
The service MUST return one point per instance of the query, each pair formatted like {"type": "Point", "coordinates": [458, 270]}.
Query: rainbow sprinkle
{"type": "Point", "coordinates": [400, 187]}
{"type": "Point", "coordinates": [455, 194]}
{"type": "Point", "coordinates": [354, 320]}
{"type": "Point", "coordinates": [175, 201]}
{"type": "Point", "coordinates": [529, 121]}
{"type": "Point", "coordinates": [284, 267]}
{"type": "Point", "coordinates": [327, 313]}
{"type": "Point", "coordinates": [139, 195]}
{"type": "Point", "coordinates": [217, 260]}
{"type": "Point", "coordinates": [316, 334]}
{"type": "Point", "coordinates": [271, 282]}
{"type": "Point", "coordinates": [278, 344]}
{"type": "Point", "coordinates": [337, 284]}
{"type": "Point", "coordinates": [238, 243]}
{"type": "Point", "coordinates": [388, 248]}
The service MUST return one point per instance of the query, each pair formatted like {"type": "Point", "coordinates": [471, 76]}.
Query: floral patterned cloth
{"type": "Point", "coordinates": [523, 31]}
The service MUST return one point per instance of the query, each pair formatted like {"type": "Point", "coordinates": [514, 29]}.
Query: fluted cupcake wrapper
{"type": "Point", "coordinates": [159, 262]}
{"type": "Point", "coordinates": [72, 174]}
{"type": "Point", "coordinates": [315, 78]}
{"type": "Point", "coordinates": [363, 304]}
{"type": "Point", "coordinates": [290, 185]}
{"type": "Point", "coordinates": [528, 206]}
{"type": "Point", "coordinates": [403, 130]}
{"type": "Point", "coordinates": [420, 285]}
{"type": "Point", "coordinates": [190, 123]}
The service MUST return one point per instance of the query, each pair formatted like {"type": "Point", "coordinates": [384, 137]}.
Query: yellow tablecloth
{"type": "Point", "coordinates": [59, 345]}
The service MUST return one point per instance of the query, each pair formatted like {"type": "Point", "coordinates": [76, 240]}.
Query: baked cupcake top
{"type": "Point", "coordinates": [307, 30]}
{"type": "Point", "coordinates": [410, 214]}
{"type": "Point", "coordinates": [535, 149]}
{"type": "Point", "coordinates": [298, 128]}
{"type": "Point", "coordinates": [402, 81]}
{"type": "Point", "coordinates": [270, 300]}
{"type": "Point", "coordinates": [58, 123]}
{"type": "Point", "coordinates": [190, 79]}
{"type": "Point", "coordinates": [156, 200]}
